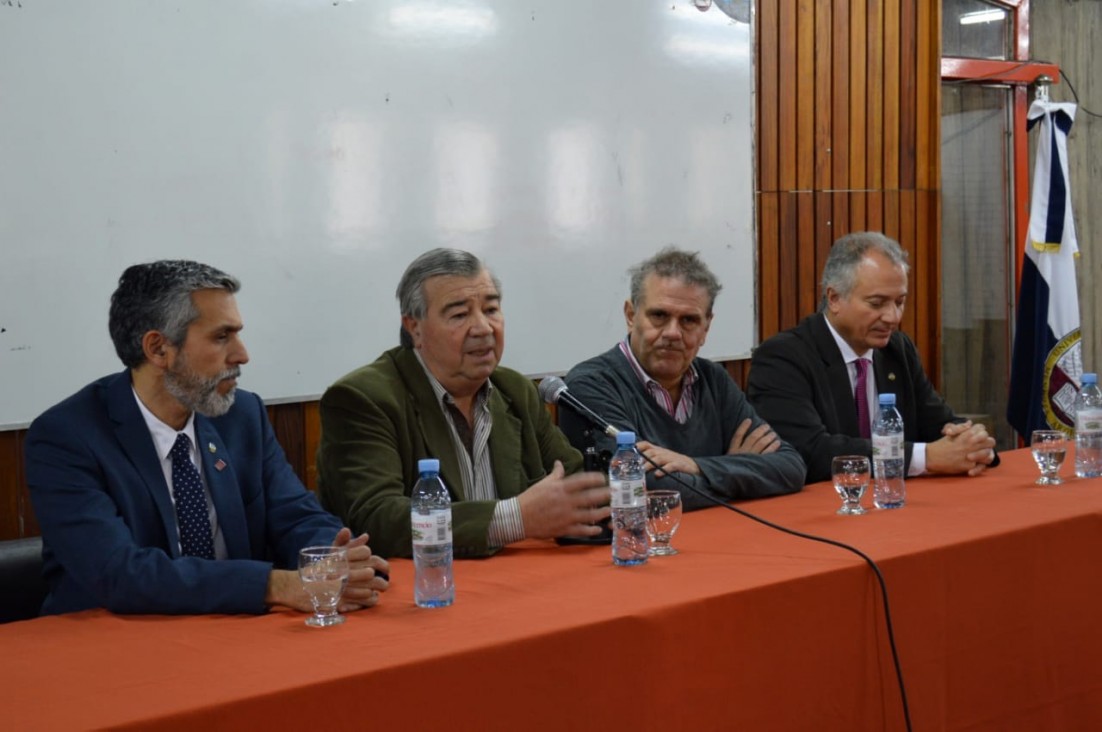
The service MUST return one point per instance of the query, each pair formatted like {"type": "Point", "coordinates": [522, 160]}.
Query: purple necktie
{"type": "Point", "coordinates": [861, 396]}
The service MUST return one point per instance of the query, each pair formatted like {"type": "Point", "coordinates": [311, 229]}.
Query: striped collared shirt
{"type": "Point", "coordinates": [473, 450]}
{"type": "Point", "coordinates": [683, 410]}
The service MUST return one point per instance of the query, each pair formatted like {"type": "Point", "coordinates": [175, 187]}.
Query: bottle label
{"type": "Point", "coordinates": [1088, 421]}
{"type": "Point", "coordinates": [628, 493]}
{"type": "Point", "coordinates": [887, 447]}
{"type": "Point", "coordinates": [432, 529]}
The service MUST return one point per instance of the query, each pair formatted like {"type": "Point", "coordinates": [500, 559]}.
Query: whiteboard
{"type": "Point", "coordinates": [313, 149]}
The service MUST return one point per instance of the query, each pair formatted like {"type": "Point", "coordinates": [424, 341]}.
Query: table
{"type": "Point", "coordinates": [995, 589]}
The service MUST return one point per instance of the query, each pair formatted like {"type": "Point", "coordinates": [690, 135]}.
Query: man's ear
{"type": "Point", "coordinates": [155, 347]}
{"type": "Point", "coordinates": [413, 328]}
{"type": "Point", "coordinates": [629, 313]}
{"type": "Point", "coordinates": [832, 299]}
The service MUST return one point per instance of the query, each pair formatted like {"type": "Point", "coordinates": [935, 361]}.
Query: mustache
{"type": "Point", "coordinates": [229, 374]}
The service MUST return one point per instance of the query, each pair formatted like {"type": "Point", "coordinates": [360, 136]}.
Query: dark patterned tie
{"type": "Point", "coordinates": [861, 396]}
{"type": "Point", "coordinates": [196, 539]}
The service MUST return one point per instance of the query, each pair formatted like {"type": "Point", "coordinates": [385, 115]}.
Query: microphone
{"type": "Point", "coordinates": [553, 391]}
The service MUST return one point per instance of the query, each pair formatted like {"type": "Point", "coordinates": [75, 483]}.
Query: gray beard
{"type": "Point", "coordinates": [201, 394]}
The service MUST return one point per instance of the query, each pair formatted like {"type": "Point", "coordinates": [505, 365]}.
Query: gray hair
{"type": "Point", "coordinates": [678, 264]}
{"type": "Point", "coordinates": [840, 270]}
{"type": "Point", "coordinates": [157, 296]}
{"type": "Point", "coordinates": [433, 263]}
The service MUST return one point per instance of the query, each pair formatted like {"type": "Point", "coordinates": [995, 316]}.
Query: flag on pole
{"type": "Point", "coordinates": [1047, 359]}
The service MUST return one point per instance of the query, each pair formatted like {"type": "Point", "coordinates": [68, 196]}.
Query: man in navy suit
{"type": "Point", "coordinates": [119, 472]}
{"type": "Point", "coordinates": [804, 381]}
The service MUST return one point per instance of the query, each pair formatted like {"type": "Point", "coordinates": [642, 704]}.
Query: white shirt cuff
{"type": "Point", "coordinates": [506, 526]}
{"type": "Point", "coordinates": [918, 460]}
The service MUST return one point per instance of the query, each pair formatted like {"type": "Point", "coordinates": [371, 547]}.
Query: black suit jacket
{"type": "Point", "coordinates": [800, 385]}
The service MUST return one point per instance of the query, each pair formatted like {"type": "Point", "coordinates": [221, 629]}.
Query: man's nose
{"type": "Point", "coordinates": [239, 355]}
{"type": "Point", "coordinates": [480, 324]}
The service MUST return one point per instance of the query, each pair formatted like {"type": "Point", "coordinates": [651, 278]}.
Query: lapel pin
{"type": "Point", "coordinates": [891, 376]}
{"type": "Point", "coordinates": [213, 449]}
{"type": "Point", "coordinates": [220, 465]}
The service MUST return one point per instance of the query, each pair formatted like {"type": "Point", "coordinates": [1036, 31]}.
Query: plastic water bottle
{"type": "Point", "coordinates": [888, 490]}
{"type": "Point", "coordinates": [1088, 428]}
{"type": "Point", "coordinates": [627, 479]}
{"type": "Point", "coordinates": [431, 523]}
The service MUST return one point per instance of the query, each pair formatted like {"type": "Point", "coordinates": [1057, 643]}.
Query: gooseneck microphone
{"type": "Point", "coordinates": [553, 390]}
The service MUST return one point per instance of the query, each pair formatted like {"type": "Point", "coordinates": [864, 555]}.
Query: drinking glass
{"type": "Point", "coordinates": [851, 479]}
{"type": "Point", "coordinates": [663, 518]}
{"type": "Point", "coordinates": [324, 574]}
{"type": "Point", "coordinates": [1050, 447]}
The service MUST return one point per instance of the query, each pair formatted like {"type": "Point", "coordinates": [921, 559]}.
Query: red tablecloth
{"type": "Point", "coordinates": [995, 588]}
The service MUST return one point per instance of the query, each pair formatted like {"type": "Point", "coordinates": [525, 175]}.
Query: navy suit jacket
{"type": "Point", "coordinates": [109, 526]}
{"type": "Point", "coordinates": [800, 385]}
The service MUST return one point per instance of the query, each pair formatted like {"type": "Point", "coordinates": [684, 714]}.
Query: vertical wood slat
{"type": "Point", "coordinates": [890, 80]}
{"type": "Point", "coordinates": [874, 74]}
{"type": "Point", "coordinates": [788, 271]}
{"type": "Point", "coordinates": [787, 79]}
{"type": "Point", "coordinates": [769, 316]}
{"type": "Point", "coordinates": [839, 92]}
{"type": "Point", "coordinates": [908, 106]}
{"type": "Point", "coordinates": [823, 93]}
{"type": "Point", "coordinates": [805, 139]}
{"type": "Point", "coordinates": [858, 107]}
{"type": "Point", "coordinates": [927, 84]}
{"type": "Point", "coordinates": [806, 225]}
{"type": "Point", "coordinates": [768, 95]}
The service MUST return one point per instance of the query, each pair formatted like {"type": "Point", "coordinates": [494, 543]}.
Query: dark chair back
{"type": "Point", "coordinates": [22, 588]}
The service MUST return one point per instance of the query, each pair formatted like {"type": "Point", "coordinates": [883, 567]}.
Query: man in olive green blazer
{"type": "Point", "coordinates": [510, 472]}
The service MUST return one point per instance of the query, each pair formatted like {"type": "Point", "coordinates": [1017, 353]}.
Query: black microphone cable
{"type": "Point", "coordinates": [824, 540]}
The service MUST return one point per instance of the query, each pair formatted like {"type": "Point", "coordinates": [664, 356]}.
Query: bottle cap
{"type": "Point", "coordinates": [428, 465]}
{"type": "Point", "coordinates": [1089, 378]}
{"type": "Point", "coordinates": [625, 438]}
{"type": "Point", "coordinates": [887, 400]}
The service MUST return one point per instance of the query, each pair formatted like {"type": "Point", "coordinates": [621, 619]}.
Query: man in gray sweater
{"type": "Point", "coordinates": [689, 416]}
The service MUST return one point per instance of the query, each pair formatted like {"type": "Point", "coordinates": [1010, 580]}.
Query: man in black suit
{"type": "Point", "coordinates": [804, 381]}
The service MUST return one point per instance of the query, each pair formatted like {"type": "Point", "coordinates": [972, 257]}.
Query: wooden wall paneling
{"type": "Point", "coordinates": [839, 218]}
{"type": "Point", "coordinates": [824, 237]}
{"type": "Point", "coordinates": [806, 254]}
{"type": "Point", "coordinates": [287, 422]}
{"type": "Point", "coordinates": [858, 203]}
{"type": "Point", "coordinates": [874, 75]}
{"type": "Point", "coordinates": [890, 225]}
{"type": "Point", "coordinates": [789, 268]}
{"type": "Point", "coordinates": [769, 251]}
{"type": "Point", "coordinates": [891, 80]}
{"type": "Point", "coordinates": [928, 234]}
{"type": "Point", "coordinates": [917, 299]}
{"type": "Point", "coordinates": [874, 210]}
{"type": "Point", "coordinates": [10, 449]}
{"type": "Point", "coordinates": [839, 96]}
{"type": "Point", "coordinates": [311, 440]}
{"type": "Point", "coordinates": [824, 103]}
{"type": "Point", "coordinates": [858, 106]}
{"type": "Point", "coordinates": [908, 109]}
{"type": "Point", "coordinates": [768, 94]}
{"type": "Point", "coordinates": [927, 93]}
{"type": "Point", "coordinates": [738, 371]}
{"type": "Point", "coordinates": [806, 55]}
{"type": "Point", "coordinates": [788, 63]}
